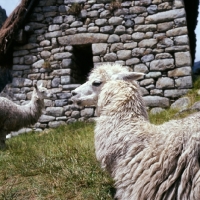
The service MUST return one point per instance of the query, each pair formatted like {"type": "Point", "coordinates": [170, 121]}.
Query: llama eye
{"type": "Point", "coordinates": [96, 83]}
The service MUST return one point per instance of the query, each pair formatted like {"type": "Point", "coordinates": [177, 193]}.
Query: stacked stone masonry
{"type": "Point", "coordinates": [150, 36]}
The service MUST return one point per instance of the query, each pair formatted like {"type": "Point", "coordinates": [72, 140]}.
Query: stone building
{"type": "Point", "coordinates": [57, 42]}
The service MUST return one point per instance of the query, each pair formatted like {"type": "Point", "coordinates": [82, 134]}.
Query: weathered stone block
{"type": "Point", "coordinates": [141, 68]}
{"type": "Point", "coordinates": [147, 43]}
{"type": "Point", "coordinates": [156, 101]}
{"type": "Point", "coordinates": [165, 82]}
{"type": "Point", "coordinates": [124, 54]}
{"type": "Point", "coordinates": [182, 71]}
{"type": "Point", "coordinates": [184, 82]}
{"type": "Point", "coordinates": [163, 16]}
{"type": "Point", "coordinates": [46, 118]}
{"type": "Point", "coordinates": [55, 111]}
{"type": "Point", "coordinates": [99, 49]}
{"type": "Point", "coordinates": [182, 59]}
{"type": "Point", "coordinates": [161, 65]}
{"type": "Point", "coordinates": [83, 38]}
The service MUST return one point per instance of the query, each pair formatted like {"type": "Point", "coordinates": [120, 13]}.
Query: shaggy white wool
{"type": "Point", "coordinates": [147, 162]}
{"type": "Point", "coordinates": [14, 117]}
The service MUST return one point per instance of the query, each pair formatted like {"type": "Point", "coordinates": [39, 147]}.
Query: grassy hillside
{"type": "Point", "coordinates": [60, 164]}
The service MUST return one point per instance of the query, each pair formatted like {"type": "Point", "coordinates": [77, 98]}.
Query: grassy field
{"type": "Point", "coordinates": [54, 164]}
{"type": "Point", "coordinates": [60, 164]}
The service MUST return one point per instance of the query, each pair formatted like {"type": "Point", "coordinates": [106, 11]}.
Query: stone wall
{"type": "Point", "coordinates": [149, 36]}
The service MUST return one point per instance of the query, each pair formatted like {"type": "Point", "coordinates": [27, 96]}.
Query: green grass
{"type": "Point", "coordinates": [54, 164]}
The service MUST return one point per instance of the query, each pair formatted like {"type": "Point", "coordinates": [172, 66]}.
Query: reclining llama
{"type": "Point", "coordinates": [14, 117]}
{"type": "Point", "coordinates": [146, 161]}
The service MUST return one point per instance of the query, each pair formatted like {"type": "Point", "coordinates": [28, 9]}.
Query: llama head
{"type": "Point", "coordinates": [87, 94]}
{"type": "Point", "coordinates": [42, 92]}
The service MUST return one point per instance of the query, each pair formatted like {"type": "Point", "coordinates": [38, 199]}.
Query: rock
{"type": "Point", "coordinates": [115, 21]}
{"type": "Point", "coordinates": [182, 71]}
{"type": "Point", "coordinates": [113, 38]}
{"type": "Point", "coordinates": [184, 82]}
{"type": "Point", "coordinates": [99, 49]}
{"type": "Point", "coordinates": [174, 93]}
{"type": "Point", "coordinates": [46, 118]}
{"type": "Point", "coordinates": [156, 110]}
{"type": "Point", "coordinates": [164, 82]}
{"type": "Point", "coordinates": [55, 111]}
{"type": "Point", "coordinates": [162, 64]}
{"type": "Point", "coordinates": [56, 124]}
{"type": "Point", "coordinates": [124, 54]}
{"type": "Point", "coordinates": [152, 9]}
{"type": "Point", "coordinates": [147, 58]}
{"type": "Point", "coordinates": [156, 101]}
{"type": "Point", "coordinates": [87, 112]}
{"type": "Point", "coordinates": [182, 59]}
{"type": "Point", "coordinates": [148, 43]}
{"type": "Point", "coordinates": [141, 68]}
{"type": "Point", "coordinates": [196, 106]}
{"type": "Point", "coordinates": [181, 104]}
{"type": "Point", "coordinates": [162, 16]}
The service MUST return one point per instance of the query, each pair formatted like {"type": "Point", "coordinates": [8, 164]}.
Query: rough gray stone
{"type": "Point", "coordinates": [115, 21]}
{"type": "Point", "coordinates": [83, 38]}
{"type": "Point", "coordinates": [153, 75]}
{"type": "Point", "coordinates": [87, 112]}
{"type": "Point", "coordinates": [113, 38]}
{"type": "Point", "coordinates": [147, 58]}
{"type": "Point", "coordinates": [59, 72]}
{"type": "Point", "coordinates": [164, 82]}
{"type": "Point", "coordinates": [101, 22]}
{"type": "Point", "coordinates": [162, 65]}
{"type": "Point", "coordinates": [107, 29]}
{"type": "Point", "coordinates": [146, 82]}
{"type": "Point", "coordinates": [181, 104]}
{"type": "Point", "coordinates": [120, 30]}
{"type": "Point", "coordinates": [130, 45]}
{"type": "Point", "coordinates": [56, 124]}
{"type": "Point", "coordinates": [46, 118]}
{"type": "Point", "coordinates": [147, 43]}
{"type": "Point", "coordinates": [110, 57]}
{"type": "Point", "coordinates": [65, 80]}
{"type": "Point", "coordinates": [132, 61]}
{"type": "Point", "coordinates": [99, 49]}
{"type": "Point", "coordinates": [162, 16]}
{"type": "Point", "coordinates": [174, 93]}
{"type": "Point", "coordinates": [137, 9]}
{"type": "Point", "coordinates": [181, 40]}
{"type": "Point", "coordinates": [116, 47]}
{"type": "Point", "coordinates": [163, 56]}
{"type": "Point", "coordinates": [156, 110]}
{"type": "Point", "coordinates": [63, 55]}
{"type": "Point", "coordinates": [141, 68]}
{"type": "Point", "coordinates": [124, 54]}
{"type": "Point", "coordinates": [184, 82]}
{"type": "Point", "coordinates": [182, 59]}
{"type": "Point", "coordinates": [152, 9]}
{"type": "Point", "coordinates": [156, 101]}
{"type": "Point", "coordinates": [55, 82]}
{"type": "Point", "coordinates": [177, 32]}
{"type": "Point", "coordinates": [145, 28]}
{"type": "Point", "coordinates": [162, 27]}
{"type": "Point", "coordinates": [55, 111]}
{"type": "Point", "coordinates": [182, 71]}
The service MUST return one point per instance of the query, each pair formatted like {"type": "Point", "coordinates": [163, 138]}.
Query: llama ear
{"type": "Point", "coordinates": [128, 76]}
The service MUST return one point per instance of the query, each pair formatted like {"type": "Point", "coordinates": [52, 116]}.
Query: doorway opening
{"type": "Point", "coordinates": [83, 59]}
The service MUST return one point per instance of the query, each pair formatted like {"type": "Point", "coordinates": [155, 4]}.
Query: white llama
{"type": "Point", "coordinates": [14, 117]}
{"type": "Point", "coordinates": [146, 161]}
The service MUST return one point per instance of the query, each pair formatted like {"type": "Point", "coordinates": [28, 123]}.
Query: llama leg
{"type": "Point", "coordinates": [2, 139]}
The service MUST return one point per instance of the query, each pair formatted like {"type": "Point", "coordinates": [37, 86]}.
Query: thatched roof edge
{"type": "Point", "coordinates": [12, 24]}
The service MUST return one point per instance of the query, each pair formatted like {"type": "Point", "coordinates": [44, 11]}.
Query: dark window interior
{"type": "Point", "coordinates": [83, 60]}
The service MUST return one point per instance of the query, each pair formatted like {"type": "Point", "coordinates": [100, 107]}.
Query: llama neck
{"type": "Point", "coordinates": [34, 108]}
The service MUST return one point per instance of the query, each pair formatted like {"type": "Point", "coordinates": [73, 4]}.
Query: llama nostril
{"type": "Point", "coordinates": [74, 93]}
